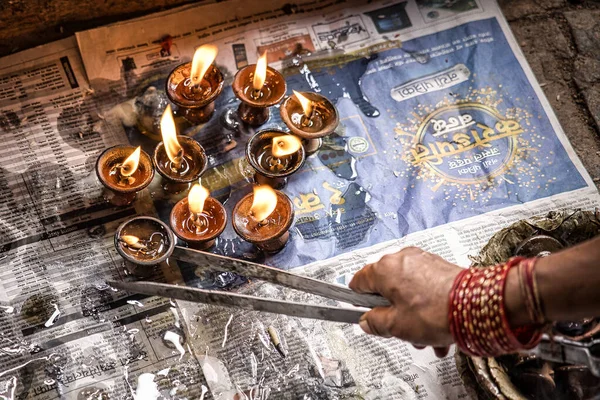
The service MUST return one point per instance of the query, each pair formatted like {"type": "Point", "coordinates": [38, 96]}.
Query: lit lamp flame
{"type": "Point", "coordinates": [263, 203]}
{"type": "Point", "coordinates": [196, 198]}
{"type": "Point", "coordinates": [285, 145]}
{"type": "Point", "coordinates": [260, 73]}
{"type": "Point", "coordinates": [132, 241]}
{"type": "Point", "coordinates": [203, 58]}
{"type": "Point", "coordinates": [169, 137]}
{"type": "Point", "coordinates": [130, 165]}
{"type": "Point", "coordinates": [307, 105]}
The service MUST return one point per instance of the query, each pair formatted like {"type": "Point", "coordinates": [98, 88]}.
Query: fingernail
{"type": "Point", "coordinates": [364, 325]}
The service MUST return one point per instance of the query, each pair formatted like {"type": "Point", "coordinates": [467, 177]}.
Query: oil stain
{"type": "Point", "coordinates": [334, 155]}
{"type": "Point", "coordinates": [336, 82]}
{"type": "Point", "coordinates": [352, 219]}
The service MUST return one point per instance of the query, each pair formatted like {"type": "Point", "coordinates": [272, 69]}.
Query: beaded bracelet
{"type": "Point", "coordinates": [477, 313]}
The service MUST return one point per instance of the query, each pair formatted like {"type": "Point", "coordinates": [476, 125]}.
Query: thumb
{"type": "Point", "coordinates": [379, 321]}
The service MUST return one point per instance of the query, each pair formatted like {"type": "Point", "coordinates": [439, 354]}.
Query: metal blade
{"type": "Point", "coordinates": [278, 276]}
{"type": "Point", "coordinates": [564, 350]}
{"type": "Point", "coordinates": [228, 299]}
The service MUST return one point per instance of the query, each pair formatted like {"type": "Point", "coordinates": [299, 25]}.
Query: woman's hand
{"type": "Point", "coordinates": [417, 284]}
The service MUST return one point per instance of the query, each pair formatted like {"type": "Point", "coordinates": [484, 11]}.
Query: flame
{"type": "Point", "coordinates": [307, 105]}
{"type": "Point", "coordinates": [196, 198]}
{"type": "Point", "coordinates": [285, 145]}
{"type": "Point", "coordinates": [130, 165]}
{"type": "Point", "coordinates": [203, 58]}
{"type": "Point", "coordinates": [169, 136]}
{"type": "Point", "coordinates": [264, 202]}
{"type": "Point", "coordinates": [260, 72]}
{"type": "Point", "coordinates": [132, 241]}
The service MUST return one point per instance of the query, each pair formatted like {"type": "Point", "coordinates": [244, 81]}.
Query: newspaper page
{"type": "Point", "coordinates": [63, 333]}
{"type": "Point", "coordinates": [441, 118]}
{"type": "Point", "coordinates": [445, 137]}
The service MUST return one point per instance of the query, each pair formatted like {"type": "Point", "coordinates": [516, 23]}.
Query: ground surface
{"type": "Point", "coordinates": [560, 39]}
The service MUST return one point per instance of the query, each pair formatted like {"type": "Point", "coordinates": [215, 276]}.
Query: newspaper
{"type": "Point", "coordinates": [396, 71]}
{"type": "Point", "coordinates": [445, 138]}
{"type": "Point", "coordinates": [63, 332]}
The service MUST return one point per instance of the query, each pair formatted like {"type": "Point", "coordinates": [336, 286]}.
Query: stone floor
{"type": "Point", "coordinates": [560, 39]}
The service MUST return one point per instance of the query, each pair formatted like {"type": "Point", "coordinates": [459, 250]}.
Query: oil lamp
{"type": "Point", "coordinates": [124, 171]}
{"type": "Point", "coordinates": [309, 116]}
{"type": "Point", "coordinates": [144, 241]}
{"type": "Point", "coordinates": [264, 218]}
{"type": "Point", "coordinates": [258, 87]}
{"type": "Point", "coordinates": [178, 159]}
{"type": "Point", "coordinates": [274, 155]}
{"type": "Point", "coordinates": [194, 86]}
{"type": "Point", "coordinates": [198, 218]}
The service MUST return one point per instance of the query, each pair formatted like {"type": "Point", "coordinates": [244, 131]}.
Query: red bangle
{"type": "Point", "coordinates": [477, 313]}
{"type": "Point", "coordinates": [529, 291]}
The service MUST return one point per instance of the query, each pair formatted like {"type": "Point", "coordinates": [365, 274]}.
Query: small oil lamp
{"type": "Point", "coordinates": [124, 171]}
{"type": "Point", "coordinates": [309, 116]}
{"type": "Point", "coordinates": [264, 218]}
{"type": "Point", "coordinates": [198, 218]}
{"type": "Point", "coordinates": [274, 155]}
{"type": "Point", "coordinates": [258, 87]}
{"type": "Point", "coordinates": [178, 159]}
{"type": "Point", "coordinates": [194, 86]}
{"type": "Point", "coordinates": [144, 241]}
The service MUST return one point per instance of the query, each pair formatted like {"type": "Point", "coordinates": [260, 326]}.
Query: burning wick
{"type": "Point", "coordinates": [307, 106]}
{"type": "Point", "coordinates": [281, 147]}
{"type": "Point", "coordinates": [128, 167]}
{"type": "Point", "coordinates": [203, 58]}
{"type": "Point", "coordinates": [196, 198]}
{"type": "Point", "coordinates": [133, 242]}
{"type": "Point", "coordinates": [285, 145]}
{"type": "Point", "coordinates": [138, 245]}
{"type": "Point", "coordinates": [169, 137]}
{"type": "Point", "coordinates": [263, 204]}
{"type": "Point", "coordinates": [260, 74]}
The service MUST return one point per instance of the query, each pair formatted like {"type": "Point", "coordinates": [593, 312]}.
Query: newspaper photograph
{"type": "Point", "coordinates": [444, 138]}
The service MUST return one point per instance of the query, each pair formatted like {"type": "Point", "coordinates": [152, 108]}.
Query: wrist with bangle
{"type": "Point", "coordinates": [477, 312]}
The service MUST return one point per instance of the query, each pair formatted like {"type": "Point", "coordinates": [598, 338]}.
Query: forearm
{"type": "Point", "coordinates": [568, 284]}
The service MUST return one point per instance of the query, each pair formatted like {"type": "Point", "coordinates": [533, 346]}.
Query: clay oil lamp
{"type": "Point", "coordinates": [258, 87]}
{"type": "Point", "coordinates": [274, 155]}
{"type": "Point", "coordinates": [264, 218]}
{"type": "Point", "coordinates": [124, 171]}
{"type": "Point", "coordinates": [310, 116]}
{"type": "Point", "coordinates": [144, 241]}
{"type": "Point", "coordinates": [195, 85]}
{"type": "Point", "coordinates": [178, 159]}
{"type": "Point", "coordinates": [198, 218]}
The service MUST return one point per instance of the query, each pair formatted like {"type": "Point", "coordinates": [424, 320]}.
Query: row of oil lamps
{"type": "Point", "coordinates": [262, 217]}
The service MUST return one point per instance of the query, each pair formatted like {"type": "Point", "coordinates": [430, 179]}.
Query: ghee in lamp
{"type": "Point", "coordinates": [124, 171]}
{"type": "Point", "coordinates": [194, 86]}
{"type": "Point", "coordinates": [180, 160]}
{"type": "Point", "coordinates": [198, 219]}
{"type": "Point", "coordinates": [258, 87]}
{"type": "Point", "coordinates": [274, 155]}
{"type": "Point", "coordinates": [264, 218]}
{"type": "Point", "coordinates": [144, 241]}
{"type": "Point", "coordinates": [309, 116]}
